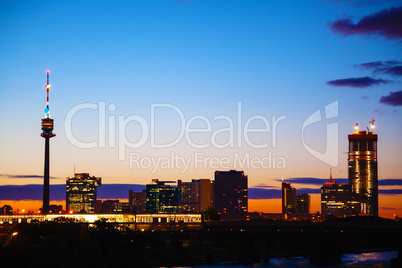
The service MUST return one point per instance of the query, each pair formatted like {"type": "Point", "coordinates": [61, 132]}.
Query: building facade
{"type": "Point", "coordinates": [231, 194]}
{"type": "Point", "coordinates": [81, 193]}
{"type": "Point", "coordinates": [161, 198]}
{"type": "Point", "coordinates": [137, 201]}
{"type": "Point", "coordinates": [288, 198]}
{"type": "Point", "coordinates": [195, 196]}
{"type": "Point", "coordinates": [303, 203]}
{"type": "Point", "coordinates": [363, 173]}
{"type": "Point", "coordinates": [338, 199]}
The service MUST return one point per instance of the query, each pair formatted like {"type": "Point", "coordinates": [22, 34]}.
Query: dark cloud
{"type": "Point", "coordinates": [390, 191]}
{"type": "Point", "coordinates": [58, 191]}
{"type": "Point", "coordinates": [313, 181]}
{"type": "Point", "coordinates": [394, 70]}
{"type": "Point", "coordinates": [393, 99]}
{"type": "Point", "coordinates": [24, 176]}
{"type": "Point", "coordinates": [390, 182]}
{"type": "Point", "coordinates": [391, 67]}
{"type": "Point", "coordinates": [359, 82]}
{"type": "Point", "coordinates": [263, 186]}
{"type": "Point", "coordinates": [375, 65]}
{"type": "Point", "coordinates": [320, 182]}
{"type": "Point", "coordinates": [120, 191]}
{"type": "Point", "coordinates": [386, 22]}
{"type": "Point", "coordinates": [387, 208]}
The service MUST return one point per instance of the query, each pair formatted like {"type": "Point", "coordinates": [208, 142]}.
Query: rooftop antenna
{"type": "Point", "coordinates": [47, 111]}
{"type": "Point", "coordinates": [357, 127]}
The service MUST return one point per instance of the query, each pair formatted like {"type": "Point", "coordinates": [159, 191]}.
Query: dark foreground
{"type": "Point", "coordinates": [66, 243]}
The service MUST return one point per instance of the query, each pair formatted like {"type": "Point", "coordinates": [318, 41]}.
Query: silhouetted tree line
{"type": "Point", "coordinates": [67, 242]}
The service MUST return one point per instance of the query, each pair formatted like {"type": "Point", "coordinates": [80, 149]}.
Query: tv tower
{"type": "Point", "coordinates": [47, 133]}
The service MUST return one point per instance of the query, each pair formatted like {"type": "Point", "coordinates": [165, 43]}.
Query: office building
{"type": "Point", "coordinates": [6, 210]}
{"type": "Point", "coordinates": [161, 198]}
{"type": "Point", "coordinates": [81, 193]}
{"type": "Point", "coordinates": [231, 194]}
{"type": "Point", "coordinates": [288, 198]}
{"type": "Point", "coordinates": [195, 196]}
{"type": "Point", "coordinates": [338, 199]}
{"type": "Point", "coordinates": [303, 203]}
{"type": "Point", "coordinates": [363, 173]}
{"type": "Point", "coordinates": [137, 201]}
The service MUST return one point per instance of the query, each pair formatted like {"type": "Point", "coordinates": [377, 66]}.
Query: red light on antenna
{"type": "Point", "coordinates": [47, 71]}
{"type": "Point", "coordinates": [48, 86]}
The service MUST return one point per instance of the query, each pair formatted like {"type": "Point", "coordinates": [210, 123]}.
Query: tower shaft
{"type": "Point", "coordinates": [46, 179]}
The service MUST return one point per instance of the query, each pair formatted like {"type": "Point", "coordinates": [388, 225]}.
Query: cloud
{"type": "Point", "coordinates": [379, 112]}
{"type": "Point", "coordinates": [320, 182]}
{"type": "Point", "coordinates": [313, 181]}
{"type": "Point", "coordinates": [387, 208]}
{"type": "Point", "coordinates": [359, 82]}
{"type": "Point", "coordinates": [390, 191]}
{"type": "Point", "coordinates": [386, 22]}
{"type": "Point", "coordinates": [394, 70]}
{"type": "Point", "coordinates": [58, 191]}
{"type": "Point", "coordinates": [374, 65]}
{"type": "Point", "coordinates": [391, 67]}
{"type": "Point", "coordinates": [24, 176]}
{"type": "Point", "coordinates": [393, 99]}
{"type": "Point", "coordinates": [390, 182]}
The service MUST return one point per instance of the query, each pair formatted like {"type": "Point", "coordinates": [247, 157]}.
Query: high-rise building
{"type": "Point", "coordinates": [81, 193]}
{"type": "Point", "coordinates": [303, 203]}
{"type": "Point", "coordinates": [6, 210]}
{"type": "Point", "coordinates": [288, 198]}
{"type": "Point", "coordinates": [338, 199]}
{"type": "Point", "coordinates": [161, 197]}
{"type": "Point", "coordinates": [363, 174]}
{"type": "Point", "coordinates": [137, 201]}
{"type": "Point", "coordinates": [195, 196]}
{"type": "Point", "coordinates": [231, 194]}
{"type": "Point", "coordinates": [47, 134]}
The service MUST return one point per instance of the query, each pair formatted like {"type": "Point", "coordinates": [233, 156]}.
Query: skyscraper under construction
{"type": "Point", "coordinates": [363, 174]}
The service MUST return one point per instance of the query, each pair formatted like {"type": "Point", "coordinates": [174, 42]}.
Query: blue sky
{"type": "Point", "coordinates": [203, 57]}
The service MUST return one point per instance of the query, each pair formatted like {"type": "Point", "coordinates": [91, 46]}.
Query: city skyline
{"type": "Point", "coordinates": [221, 77]}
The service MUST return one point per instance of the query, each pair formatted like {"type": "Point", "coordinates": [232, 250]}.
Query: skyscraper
{"type": "Point", "coordinates": [363, 174]}
{"type": "Point", "coordinates": [81, 193]}
{"type": "Point", "coordinates": [161, 197]}
{"type": "Point", "coordinates": [288, 198]}
{"type": "Point", "coordinates": [231, 193]}
{"type": "Point", "coordinates": [47, 133]}
{"type": "Point", "coordinates": [195, 196]}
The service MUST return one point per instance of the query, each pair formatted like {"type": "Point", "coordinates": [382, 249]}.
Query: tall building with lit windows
{"type": "Point", "coordinates": [231, 196]}
{"type": "Point", "coordinates": [161, 198]}
{"type": "Point", "coordinates": [338, 199]}
{"type": "Point", "coordinates": [81, 193]}
{"type": "Point", "coordinates": [288, 198]}
{"type": "Point", "coordinates": [363, 174]}
{"type": "Point", "coordinates": [196, 195]}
